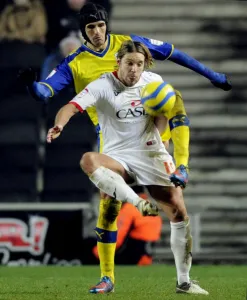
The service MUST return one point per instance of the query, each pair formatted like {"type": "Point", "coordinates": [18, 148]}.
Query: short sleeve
{"type": "Point", "coordinates": [88, 97]}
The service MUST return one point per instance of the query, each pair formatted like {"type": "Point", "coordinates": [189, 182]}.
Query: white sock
{"type": "Point", "coordinates": [181, 245]}
{"type": "Point", "coordinates": [114, 185]}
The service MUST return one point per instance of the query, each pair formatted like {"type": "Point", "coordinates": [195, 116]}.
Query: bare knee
{"type": "Point", "coordinates": [172, 211]}
{"type": "Point", "coordinates": [88, 162]}
{"type": "Point", "coordinates": [177, 215]}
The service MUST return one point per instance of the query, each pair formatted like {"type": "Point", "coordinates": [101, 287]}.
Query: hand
{"type": "Point", "coordinates": [180, 177]}
{"type": "Point", "coordinates": [27, 76]}
{"type": "Point", "coordinates": [224, 85]}
{"type": "Point", "coordinates": [54, 133]}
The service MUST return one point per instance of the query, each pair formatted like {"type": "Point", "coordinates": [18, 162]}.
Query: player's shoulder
{"type": "Point", "coordinates": [106, 77]}
{"type": "Point", "coordinates": [103, 82]}
{"type": "Point", "coordinates": [73, 55]}
{"type": "Point", "coordinates": [151, 76]}
{"type": "Point", "coordinates": [119, 37]}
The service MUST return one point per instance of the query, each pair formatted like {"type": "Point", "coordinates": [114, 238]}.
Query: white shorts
{"type": "Point", "coordinates": [146, 167]}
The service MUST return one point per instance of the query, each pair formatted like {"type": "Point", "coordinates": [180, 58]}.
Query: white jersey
{"type": "Point", "coordinates": [122, 119]}
{"type": "Point", "coordinates": [129, 133]}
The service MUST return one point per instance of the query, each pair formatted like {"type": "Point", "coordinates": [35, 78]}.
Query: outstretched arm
{"type": "Point", "coordinates": [62, 118]}
{"type": "Point", "coordinates": [217, 79]}
{"type": "Point", "coordinates": [57, 80]}
{"type": "Point", "coordinates": [86, 98]}
{"type": "Point", "coordinates": [162, 51]}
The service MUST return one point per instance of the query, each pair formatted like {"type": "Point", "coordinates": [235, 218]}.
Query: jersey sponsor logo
{"type": "Point", "coordinates": [131, 113]}
{"type": "Point", "coordinates": [135, 103]}
{"type": "Point", "coordinates": [156, 42]}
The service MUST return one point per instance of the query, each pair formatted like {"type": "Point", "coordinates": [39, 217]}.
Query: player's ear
{"type": "Point", "coordinates": [118, 62]}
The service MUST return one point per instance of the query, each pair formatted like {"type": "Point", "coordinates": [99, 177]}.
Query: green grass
{"type": "Point", "coordinates": [132, 283]}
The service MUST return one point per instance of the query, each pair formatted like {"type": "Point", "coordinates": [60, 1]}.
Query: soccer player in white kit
{"type": "Point", "coordinates": [133, 151]}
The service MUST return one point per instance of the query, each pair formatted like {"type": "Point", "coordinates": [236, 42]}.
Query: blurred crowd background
{"type": "Point", "coordinates": [39, 34]}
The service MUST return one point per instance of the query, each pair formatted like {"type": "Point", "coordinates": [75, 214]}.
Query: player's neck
{"type": "Point", "coordinates": [121, 79]}
{"type": "Point", "coordinates": [97, 49]}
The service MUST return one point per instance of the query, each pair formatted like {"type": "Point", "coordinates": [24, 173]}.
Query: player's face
{"type": "Point", "coordinates": [96, 32]}
{"type": "Point", "coordinates": [131, 67]}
